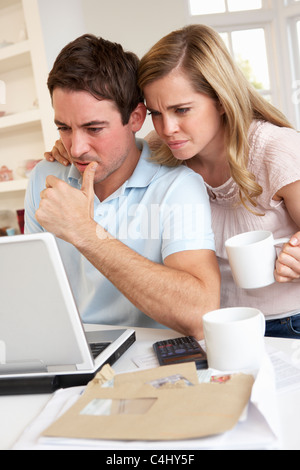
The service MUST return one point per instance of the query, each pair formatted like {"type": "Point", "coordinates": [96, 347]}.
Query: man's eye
{"type": "Point", "coordinates": [95, 130]}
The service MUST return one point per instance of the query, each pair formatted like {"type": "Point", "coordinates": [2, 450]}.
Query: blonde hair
{"type": "Point", "coordinates": [201, 54]}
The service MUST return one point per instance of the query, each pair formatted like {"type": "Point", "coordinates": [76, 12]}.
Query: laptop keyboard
{"type": "Point", "coordinates": [97, 348]}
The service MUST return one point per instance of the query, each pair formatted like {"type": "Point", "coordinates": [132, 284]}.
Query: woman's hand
{"type": "Point", "coordinates": [58, 153]}
{"type": "Point", "coordinates": [287, 266]}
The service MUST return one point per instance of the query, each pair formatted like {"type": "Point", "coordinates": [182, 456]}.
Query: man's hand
{"type": "Point", "coordinates": [59, 154]}
{"type": "Point", "coordinates": [287, 266]}
{"type": "Point", "coordinates": [65, 211]}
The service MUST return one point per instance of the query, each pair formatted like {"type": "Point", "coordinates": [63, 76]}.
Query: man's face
{"type": "Point", "coordinates": [92, 131]}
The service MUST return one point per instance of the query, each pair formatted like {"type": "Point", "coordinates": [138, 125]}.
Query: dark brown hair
{"type": "Point", "coordinates": [100, 67]}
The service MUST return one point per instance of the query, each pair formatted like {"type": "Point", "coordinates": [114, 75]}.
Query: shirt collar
{"type": "Point", "coordinates": [146, 170]}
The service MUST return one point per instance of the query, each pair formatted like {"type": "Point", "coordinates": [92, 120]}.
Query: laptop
{"type": "Point", "coordinates": [43, 343]}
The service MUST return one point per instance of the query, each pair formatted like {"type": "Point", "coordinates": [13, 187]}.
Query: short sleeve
{"type": "Point", "coordinates": [32, 200]}
{"type": "Point", "coordinates": [275, 159]}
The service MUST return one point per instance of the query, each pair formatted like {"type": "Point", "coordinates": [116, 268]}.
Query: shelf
{"type": "Point", "coordinates": [25, 130]}
{"type": "Point", "coordinates": [15, 185]}
{"type": "Point", "coordinates": [13, 50]}
{"type": "Point", "coordinates": [20, 119]}
{"type": "Point", "coordinates": [15, 56]}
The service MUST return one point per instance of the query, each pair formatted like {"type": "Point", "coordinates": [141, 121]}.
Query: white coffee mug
{"type": "Point", "coordinates": [234, 338]}
{"type": "Point", "coordinates": [252, 258]}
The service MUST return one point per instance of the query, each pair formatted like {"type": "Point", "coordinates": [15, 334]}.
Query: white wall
{"type": "Point", "coordinates": [136, 24]}
{"type": "Point", "coordinates": [61, 22]}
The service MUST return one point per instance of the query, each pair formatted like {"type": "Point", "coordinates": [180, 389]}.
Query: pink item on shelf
{"type": "Point", "coordinates": [5, 174]}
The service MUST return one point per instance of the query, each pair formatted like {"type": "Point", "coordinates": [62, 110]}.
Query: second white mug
{"type": "Point", "coordinates": [234, 338]}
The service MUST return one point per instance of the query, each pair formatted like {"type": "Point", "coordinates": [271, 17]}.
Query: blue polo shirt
{"type": "Point", "coordinates": [156, 212]}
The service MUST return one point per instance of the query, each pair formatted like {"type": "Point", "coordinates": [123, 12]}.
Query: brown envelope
{"type": "Point", "coordinates": [165, 403]}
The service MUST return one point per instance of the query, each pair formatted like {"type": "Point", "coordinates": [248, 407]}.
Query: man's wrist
{"type": "Point", "coordinates": [83, 234]}
{"type": "Point", "coordinates": [89, 234]}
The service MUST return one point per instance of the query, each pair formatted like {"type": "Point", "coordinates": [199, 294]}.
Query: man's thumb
{"type": "Point", "coordinates": [88, 179]}
{"type": "Point", "coordinates": [88, 184]}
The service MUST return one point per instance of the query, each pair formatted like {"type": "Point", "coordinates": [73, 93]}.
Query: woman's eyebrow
{"type": "Point", "coordinates": [173, 106]}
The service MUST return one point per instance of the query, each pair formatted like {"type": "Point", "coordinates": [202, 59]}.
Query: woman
{"type": "Point", "coordinates": [208, 117]}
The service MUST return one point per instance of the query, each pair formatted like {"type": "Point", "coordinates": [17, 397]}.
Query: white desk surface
{"type": "Point", "coordinates": [16, 412]}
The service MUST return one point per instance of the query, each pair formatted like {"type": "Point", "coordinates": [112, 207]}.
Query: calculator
{"type": "Point", "coordinates": [177, 350]}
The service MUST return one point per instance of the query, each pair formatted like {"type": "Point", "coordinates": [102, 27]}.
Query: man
{"type": "Point", "coordinates": [128, 229]}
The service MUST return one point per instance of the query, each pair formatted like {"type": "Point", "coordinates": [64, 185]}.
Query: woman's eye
{"type": "Point", "coordinates": [153, 113]}
{"type": "Point", "coordinates": [182, 110]}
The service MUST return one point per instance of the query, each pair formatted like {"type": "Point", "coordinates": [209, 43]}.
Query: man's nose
{"type": "Point", "coordinates": [79, 145]}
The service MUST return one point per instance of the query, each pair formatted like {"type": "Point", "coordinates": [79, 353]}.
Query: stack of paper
{"type": "Point", "coordinates": [150, 410]}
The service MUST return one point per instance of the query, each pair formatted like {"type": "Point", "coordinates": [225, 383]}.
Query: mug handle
{"type": "Point", "coordinates": [281, 240]}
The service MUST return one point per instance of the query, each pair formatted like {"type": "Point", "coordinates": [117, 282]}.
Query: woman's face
{"type": "Point", "coordinates": [187, 121]}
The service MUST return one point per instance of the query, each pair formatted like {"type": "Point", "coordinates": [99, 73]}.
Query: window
{"type": "Point", "coordinates": [204, 8]}
{"type": "Point", "coordinates": [249, 50]}
{"type": "Point", "coordinates": [198, 7]}
{"type": "Point", "coordinates": [264, 38]}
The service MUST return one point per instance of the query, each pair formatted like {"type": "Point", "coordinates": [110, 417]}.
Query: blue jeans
{"type": "Point", "coordinates": [288, 327]}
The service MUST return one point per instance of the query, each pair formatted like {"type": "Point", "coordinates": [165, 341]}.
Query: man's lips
{"type": "Point", "coordinates": [81, 166]}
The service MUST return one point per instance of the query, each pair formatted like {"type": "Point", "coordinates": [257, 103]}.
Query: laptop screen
{"type": "Point", "coordinates": [39, 322]}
